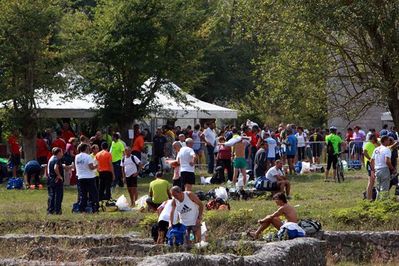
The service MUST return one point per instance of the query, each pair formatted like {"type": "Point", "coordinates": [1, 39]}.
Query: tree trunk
{"type": "Point", "coordinates": [29, 132]}
{"type": "Point", "coordinates": [393, 105]}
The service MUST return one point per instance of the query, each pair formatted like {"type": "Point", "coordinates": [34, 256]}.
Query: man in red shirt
{"type": "Point", "coordinates": [15, 154]}
{"type": "Point", "coordinates": [66, 132]}
{"type": "Point", "coordinates": [59, 142]}
{"type": "Point", "coordinates": [42, 150]}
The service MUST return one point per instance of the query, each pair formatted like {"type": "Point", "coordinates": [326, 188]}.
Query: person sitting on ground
{"type": "Point", "coordinates": [278, 181]}
{"type": "Point", "coordinates": [159, 192]}
{"type": "Point", "coordinates": [190, 210]}
{"type": "Point", "coordinates": [32, 170]}
{"type": "Point", "coordinates": [284, 209]}
{"type": "Point", "coordinates": [218, 204]}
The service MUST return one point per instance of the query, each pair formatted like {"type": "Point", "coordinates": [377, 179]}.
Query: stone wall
{"type": "Point", "coordinates": [358, 246]}
{"type": "Point", "coordinates": [300, 251]}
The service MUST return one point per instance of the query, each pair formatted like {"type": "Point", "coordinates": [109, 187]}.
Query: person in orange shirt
{"type": "Point", "coordinates": [106, 172]}
{"type": "Point", "coordinates": [138, 142]}
{"type": "Point", "coordinates": [15, 154]}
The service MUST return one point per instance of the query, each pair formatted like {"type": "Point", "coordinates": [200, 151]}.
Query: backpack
{"type": "Point", "coordinates": [132, 158]}
{"type": "Point", "coordinates": [330, 148]}
{"type": "Point", "coordinates": [263, 184]}
{"type": "Point", "coordinates": [176, 235]}
{"type": "Point", "coordinates": [310, 226]}
{"type": "Point", "coordinates": [15, 183]}
{"type": "Point", "coordinates": [108, 205]}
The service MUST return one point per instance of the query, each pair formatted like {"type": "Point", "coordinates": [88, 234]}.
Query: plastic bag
{"type": "Point", "coordinates": [206, 180]}
{"type": "Point", "coordinates": [305, 168]}
{"type": "Point", "coordinates": [221, 192]}
{"type": "Point", "coordinates": [122, 203]}
{"type": "Point", "coordinates": [141, 203]}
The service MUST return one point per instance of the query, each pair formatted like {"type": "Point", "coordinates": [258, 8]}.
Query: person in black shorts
{"type": "Point", "coordinates": [186, 159]}
{"type": "Point", "coordinates": [131, 166]}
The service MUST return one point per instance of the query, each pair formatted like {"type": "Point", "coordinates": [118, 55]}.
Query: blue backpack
{"type": "Point", "coordinates": [176, 235]}
{"type": "Point", "coordinates": [15, 183]}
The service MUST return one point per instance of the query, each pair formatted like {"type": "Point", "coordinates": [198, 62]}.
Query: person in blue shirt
{"type": "Point", "coordinates": [291, 150]}
{"type": "Point", "coordinates": [33, 170]}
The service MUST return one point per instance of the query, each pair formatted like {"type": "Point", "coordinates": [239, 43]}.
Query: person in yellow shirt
{"type": "Point", "coordinates": [159, 192]}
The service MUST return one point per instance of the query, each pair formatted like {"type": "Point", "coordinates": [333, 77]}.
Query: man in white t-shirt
{"type": "Point", "coordinates": [186, 160]}
{"type": "Point", "coordinates": [210, 139]}
{"type": "Point", "coordinates": [277, 179]}
{"type": "Point", "coordinates": [381, 166]}
{"type": "Point", "coordinates": [271, 150]}
{"type": "Point", "coordinates": [131, 166]}
{"type": "Point", "coordinates": [85, 167]}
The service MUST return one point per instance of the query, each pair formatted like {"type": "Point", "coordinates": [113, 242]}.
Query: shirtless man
{"type": "Point", "coordinates": [284, 209]}
{"type": "Point", "coordinates": [239, 163]}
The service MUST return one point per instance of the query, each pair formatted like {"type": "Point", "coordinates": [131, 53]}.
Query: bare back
{"type": "Point", "coordinates": [239, 150]}
{"type": "Point", "coordinates": [289, 213]}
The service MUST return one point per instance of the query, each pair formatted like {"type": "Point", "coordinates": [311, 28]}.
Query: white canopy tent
{"type": "Point", "coordinates": [386, 116]}
{"type": "Point", "coordinates": [60, 106]}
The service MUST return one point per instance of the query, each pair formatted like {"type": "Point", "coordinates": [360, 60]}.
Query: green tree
{"type": "Point", "coordinates": [129, 42]}
{"type": "Point", "coordinates": [227, 64]}
{"type": "Point", "coordinates": [363, 40]}
{"type": "Point", "coordinates": [289, 66]}
{"type": "Point", "coordinates": [30, 61]}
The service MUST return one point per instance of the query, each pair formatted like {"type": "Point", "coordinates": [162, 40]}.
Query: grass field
{"type": "Point", "coordinates": [25, 211]}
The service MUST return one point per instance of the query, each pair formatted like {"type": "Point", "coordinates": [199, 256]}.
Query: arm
{"type": "Point", "coordinates": [388, 161]}
{"type": "Point", "coordinates": [192, 162]}
{"type": "Point", "coordinates": [92, 166]}
{"type": "Point", "coordinates": [196, 200]}
{"type": "Point", "coordinates": [111, 166]}
{"type": "Point", "coordinates": [57, 172]}
{"type": "Point", "coordinates": [172, 213]}
{"type": "Point", "coordinates": [366, 154]}
{"type": "Point", "coordinates": [277, 213]}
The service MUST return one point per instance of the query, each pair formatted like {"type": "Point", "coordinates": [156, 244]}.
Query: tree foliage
{"type": "Point", "coordinates": [30, 59]}
{"type": "Point", "coordinates": [362, 37]}
{"type": "Point", "coordinates": [129, 42]}
{"type": "Point", "coordinates": [289, 67]}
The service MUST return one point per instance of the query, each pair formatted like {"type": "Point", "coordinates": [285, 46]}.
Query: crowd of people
{"type": "Point", "coordinates": [101, 162]}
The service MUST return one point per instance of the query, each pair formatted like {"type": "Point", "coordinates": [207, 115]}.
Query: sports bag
{"type": "Point", "coordinates": [264, 184]}
{"type": "Point", "coordinates": [310, 226]}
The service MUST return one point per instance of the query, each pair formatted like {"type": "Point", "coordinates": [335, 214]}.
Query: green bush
{"type": "Point", "coordinates": [365, 212]}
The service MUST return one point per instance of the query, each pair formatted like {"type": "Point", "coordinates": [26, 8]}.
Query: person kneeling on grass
{"type": "Point", "coordinates": [279, 181]}
{"type": "Point", "coordinates": [284, 209]}
{"type": "Point", "coordinates": [159, 192]}
{"type": "Point", "coordinates": [163, 220]}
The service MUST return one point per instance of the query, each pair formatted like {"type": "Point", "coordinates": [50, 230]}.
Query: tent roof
{"type": "Point", "coordinates": [386, 116]}
{"type": "Point", "coordinates": [59, 106]}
